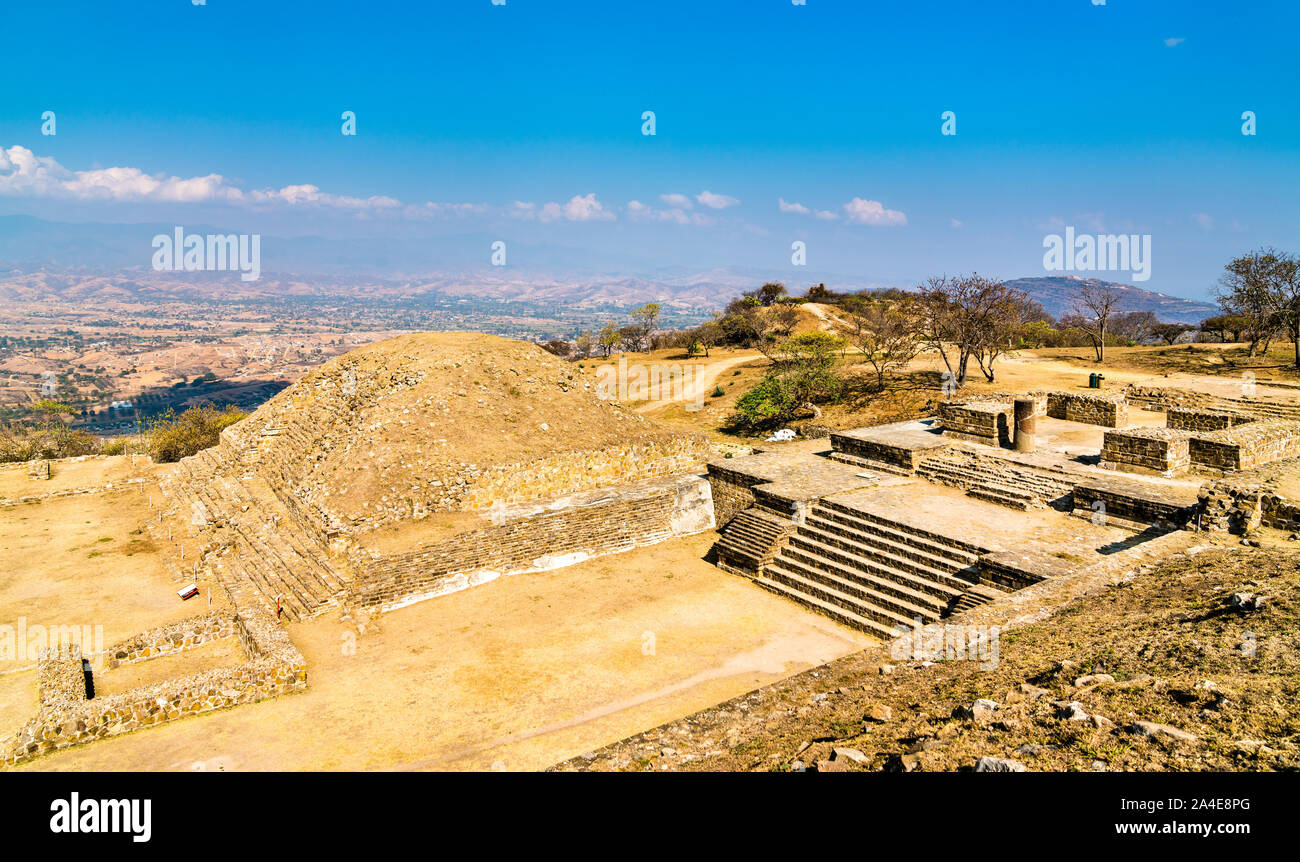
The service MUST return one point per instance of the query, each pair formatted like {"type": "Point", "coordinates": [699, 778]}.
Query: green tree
{"type": "Point", "coordinates": [803, 375]}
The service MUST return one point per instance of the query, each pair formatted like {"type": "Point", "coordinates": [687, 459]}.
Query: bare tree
{"type": "Point", "coordinates": [886, 333]}
{"type": "Point", "coordinates": [1264, 288]}
{"type": "Point", "coordinates": [1093, 308]}
{"type": "Point", "coordinates": [961, 317]}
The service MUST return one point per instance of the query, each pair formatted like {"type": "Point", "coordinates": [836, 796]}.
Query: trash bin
{"type": "Point", "coordinates": [1092, 380]}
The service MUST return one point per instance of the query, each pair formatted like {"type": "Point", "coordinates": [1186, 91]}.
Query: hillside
{"type": "Point", "coordinates": [1056, 294]}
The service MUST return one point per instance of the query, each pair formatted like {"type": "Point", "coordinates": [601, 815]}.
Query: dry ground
{"type": "Point", "coordinates": [65, 475]}
{"type": "Point", "coordinates": [517, 673]}
{"type": "Point", "coordinates": [87, 560]}
{"type": "Point", "coordinates": [1166, 647]}
{"type": "Point", "coordinates": [1213, 368]}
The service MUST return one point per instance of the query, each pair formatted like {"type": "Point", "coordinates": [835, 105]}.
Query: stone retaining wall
{"type": "Point", "coordinates": [66, 718]}
{"type": "Point", "coordinates": [1245, 501]}
{"type": "Point", "coordinates": [1158, 451]}
{"type": "Point", "coordinates": [1194, 419]}
{"type": "Point", "coordinates": [587, 525]}
{"type": "Point", "coordinates": [1015, 570]}
{"type": "Point", "coordinates": [572, 472]}
{"type": "Point", "coordinates": [732, 491]}
{"type": "Point", "coordinates": [1134, 505]}
{"type": "Point", "coordinates": [1245, 446]}
{"type": "Point", "coordinates": [905, 450]}
{"type": "Point", "coordinates": [978, 421]}
{"type": "Point", "coordinates": [1109, 410]}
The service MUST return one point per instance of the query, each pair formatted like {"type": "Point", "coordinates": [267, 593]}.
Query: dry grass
{"type": "Point", "coordinates": [1158, 636]}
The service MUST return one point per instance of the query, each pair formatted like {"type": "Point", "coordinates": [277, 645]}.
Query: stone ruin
{"type": "Point", "coordinates": [859, 532]}
{"type": "Point", "coordinates": [68, 716]}
{"type": "Point", "coordinates": [305, 503]}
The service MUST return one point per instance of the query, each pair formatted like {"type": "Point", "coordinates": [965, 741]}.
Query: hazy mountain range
{"type": "Point", "coordinates": [89, 262]}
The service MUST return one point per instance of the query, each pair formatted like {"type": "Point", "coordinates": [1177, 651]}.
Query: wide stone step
{"type": "Point", "coordinates": [862, 606]}
{"type": "Point", "coordinates": [960, 552]}
{"type": "Point", "coordinates": [906, 585]}
{"type": "Point", "coordinates": [870, 539]}
{"type": "Point", "coordinates": [906, 603]}
{"type": "Point", "coordinates": [977, 595]}
{"type": "Point", "coordinates": [835, 612]}
{"type": "Point", "coordinates": [854, 555]}
{"type": "Point", "coordinates": [1002, 498]}
{"type": "Point", "coordinates": [1010, 483]}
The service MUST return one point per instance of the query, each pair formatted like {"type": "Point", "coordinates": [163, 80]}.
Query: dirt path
{"type": "Point", "coordinates": [830, 322]}
{"type": "Point", "coordinates": [704, 377]}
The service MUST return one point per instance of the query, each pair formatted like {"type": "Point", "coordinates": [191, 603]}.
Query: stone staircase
{"type": "Point", "coordinates": [870, 572]}
{"type": "Point", "coordinates": [262, 551]}
{"type": "Point", "coordinates": [872, 464]}
{"type": "Point", "coordinates": [750, 540]}
{"type": "Point", "coordinates": [996, 480]}
{"type": "Point", "coordinates": [977, 595]}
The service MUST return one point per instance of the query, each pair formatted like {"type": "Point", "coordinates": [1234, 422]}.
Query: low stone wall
{"type": "Point", "coordinates": [1015, 570]}
{"type": "Point", "coordinates": [1193, 419]}
{"type": "Point", "coordinates": [978, 421]}
{"type": "Point", "coordinates": [1245, 446]}
{"type": "Point", "coordinates": [902, 449]}
{"type": "Point", "coordinates": [1156, 451]}
{"type": "Point", "coordinates": [565, 532]}
{"type": "Point", "coordinates": [66, 718]}
{"type": "Point", "coordinates": [176, 637]}
{"type": "Point", "coordinates": [1245, 501]}
{"type": "Point", "coordinates": [1109, 410]}
{"type": "Point", "coordinates": [1134, 505]}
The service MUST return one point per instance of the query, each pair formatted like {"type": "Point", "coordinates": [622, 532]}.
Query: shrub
{"type": "Point", "coordinates": [173, 436]}
{"type": "Point", "coordinates": [49, 440]}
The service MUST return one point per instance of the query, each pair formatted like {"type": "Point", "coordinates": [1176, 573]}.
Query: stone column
{"type": "Point", "coordinates": [1026, 425]}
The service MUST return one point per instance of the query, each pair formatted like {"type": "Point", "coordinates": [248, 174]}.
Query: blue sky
{"type": "Point", "coordinates": [1117, 118]}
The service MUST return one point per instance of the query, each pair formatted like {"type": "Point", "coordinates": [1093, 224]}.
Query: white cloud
{"type": "Point", "coordinates": [860, 211]}
{"type": "Point", "coordinates": [957, 224]}
{"type": "Point", "coordinates": [1177, 40]}
{"type": "Point", "coordinates": [681, 202]}
{"type": "Point", "coordinates": [1204, 221]}
{"type": "Point", "coordinates": [641, 212]}
{"type": "Point", "coordinates": [715, 201]}
{"type": "Point", "coordinates": [578, 208]}
{"type": "Point", "coordinates": [586, 208]}
{"type": "Point", "coordinates": [800, 209]}
{"type": "Point", "coordinates": [24, 174]}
